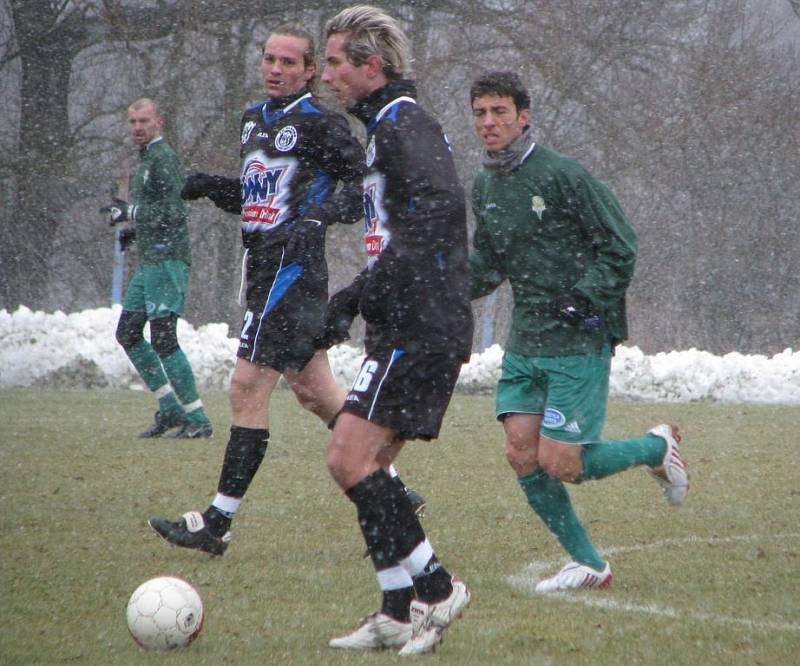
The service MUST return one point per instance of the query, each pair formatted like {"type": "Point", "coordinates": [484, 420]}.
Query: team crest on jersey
{"type": "Point", "coordinates": [247, 130]}
{"type": "Point", "coordinates": [371, 152]}
{"type": "Point", "coordinates": [537, 206]}
{"type": "Point", "coordinates": [286, 138]}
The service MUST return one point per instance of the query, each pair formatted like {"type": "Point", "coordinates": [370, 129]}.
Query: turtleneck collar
{"type": "Point", "coordinates": [370, 106]}
{"type": "Point", "coordinates": [275, 103]}
{"type": "Point", "coordinates": [506, 160]}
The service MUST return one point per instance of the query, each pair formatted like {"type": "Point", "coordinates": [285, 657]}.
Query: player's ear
{"type": "Point", "coordinates": [374, 65]}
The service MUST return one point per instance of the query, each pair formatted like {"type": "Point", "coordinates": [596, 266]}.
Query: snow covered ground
{"type": "Point", "coordinates": [79, 350]}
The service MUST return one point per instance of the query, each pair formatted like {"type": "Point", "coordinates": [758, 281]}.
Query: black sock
{"type": "Point", "coordinates": [218, 522]}
{"type": "Point", "coordinates": [243, 455]}
{"type": "Point", "coordinates": [390, 528]}
{"type": "Point", "coordinates": [396, 603]}
{"type": "Point", "coordinates": [433, 582]}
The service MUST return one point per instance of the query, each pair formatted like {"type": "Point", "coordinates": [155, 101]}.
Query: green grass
{"type": "Point", "coordinates": [78, 487]}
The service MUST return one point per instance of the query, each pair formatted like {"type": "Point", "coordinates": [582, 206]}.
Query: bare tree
{"type": "Point", "coordinates": [687, 108]}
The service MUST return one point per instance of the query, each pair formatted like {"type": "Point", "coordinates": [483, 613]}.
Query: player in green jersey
{"type": "Point", "coordinates": [562, 241]}
{"type": "Point", "coordinates": [156, 219]}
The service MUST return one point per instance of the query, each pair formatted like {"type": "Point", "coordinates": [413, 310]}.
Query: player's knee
{"type": "Point", "coordinates": [307, 398]}
{"type": "Point", "coordinates": [561, 469]}
{"type": "Point", "coordinates": [522, 459]}
{"type": "Point", "coordinates": [337, 462]}
{"type": "Point", "coordinates": [130, 329]}
{"type": "Point", "coordinates": [164, 336]}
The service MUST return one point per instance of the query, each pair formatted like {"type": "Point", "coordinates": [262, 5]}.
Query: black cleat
{"type": "Point", "coordinates": [193, 431]}
{"type": "Point", "coordinates": [191, 532]}
{"type": "Point", "coordinates": [418, 502]}
{"type": "Point", "coordinates": [163, 422]}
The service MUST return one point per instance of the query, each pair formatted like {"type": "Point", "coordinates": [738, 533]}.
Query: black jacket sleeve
{"type": "Point", "coordinates": [343, 158]}
{"type": "Point", "coordinates": [227, 194]}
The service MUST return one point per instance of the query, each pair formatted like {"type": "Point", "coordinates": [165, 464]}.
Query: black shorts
{"type": "Point", "coordinates": [285, 310]}
{"type": "Point", "coordinates": [406, 392]}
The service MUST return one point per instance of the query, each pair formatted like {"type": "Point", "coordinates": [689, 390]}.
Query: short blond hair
{"type": "Point", "coordinates": [371, 31]}
{"type": "Point", "coordinates": [142, 102]}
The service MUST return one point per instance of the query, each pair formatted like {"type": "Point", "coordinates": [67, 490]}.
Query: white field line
{"type": "Point", "coordinates": [526, 581]}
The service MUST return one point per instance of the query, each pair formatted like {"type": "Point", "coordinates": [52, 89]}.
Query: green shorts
{"type": "Point", "coordinates": [158, 289]}
{"type": "Point", "coordinates": [570, 392]}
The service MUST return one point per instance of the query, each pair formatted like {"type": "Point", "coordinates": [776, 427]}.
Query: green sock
{"type": "Point", "coordinates": [602, 459]}
{"type": "Point", "coordinates": [549, 499]}
{"type": "Point", "coordinates": [169, 402]}
{"type": "Point", "coordinates": [180, 374]}
{"type": "Point", "coordinates": [148, 365]}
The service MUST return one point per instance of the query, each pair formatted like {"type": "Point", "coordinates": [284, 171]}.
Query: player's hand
{"type": "Point", "coordinates": [198, 185]}
{"type": "Point", "coordinates": [118, 211]}
{"type": "Point", "coordinates": [306, 241]}
{"type": "Point", "coordinates": [576, 308]}
{"type": "Point", "coordinates": [342, 310]}
{"type": "Point", "coordinates": [126, 235]}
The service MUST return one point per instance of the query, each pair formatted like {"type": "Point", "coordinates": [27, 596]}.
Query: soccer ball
{"type": "Point", "coordinates": [164, 613]}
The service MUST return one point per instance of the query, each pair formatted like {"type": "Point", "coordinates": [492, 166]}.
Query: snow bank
{"type": "Point", "coordinates": [79, 350]}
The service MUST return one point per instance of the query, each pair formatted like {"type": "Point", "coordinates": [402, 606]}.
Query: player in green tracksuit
{"type": "Point", "coordinates": [157, 220]}
{"type": "Point", "coordinates": [563, 242]}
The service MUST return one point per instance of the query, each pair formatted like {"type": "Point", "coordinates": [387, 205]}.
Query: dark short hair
{"type": "Point", "coordinates": [502, 84]}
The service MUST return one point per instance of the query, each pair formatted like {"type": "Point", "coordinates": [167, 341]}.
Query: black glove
{"type": "Point", "coordinates": [574, 307]}
{"type": "Point", "coordinates": [198, 185]}
{"type": "Point", "coordinates": [126, 234]}
{"type": "Point", "coordinates": [306, 241]}
{"type": "Point", "coordinates": [342, 309]}
{"type": "Point", "coordinates": [119, 211]}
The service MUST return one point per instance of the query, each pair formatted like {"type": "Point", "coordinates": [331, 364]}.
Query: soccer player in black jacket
{"type": "Point", "coordinates": [414, 297]}
{"type": "Point", "coordinates": [293, 152]}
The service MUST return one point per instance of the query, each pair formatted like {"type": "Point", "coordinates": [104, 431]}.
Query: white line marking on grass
{"type": "Point", "coordinates": [526, 581]}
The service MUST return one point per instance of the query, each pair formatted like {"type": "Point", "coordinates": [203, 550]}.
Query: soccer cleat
{"type": "Point", "coordinates": [193, 431]}
{"type": "Point", "coordinates": [163, 422]}
{"type": "Point", "coordinates": [376, 632]}
{"type": "Point", "coordinates": [429, 621]}
{"type": "Point", "coordinates": [672, 475]}
{"type": "Point", "coordinates": [574, 576]}
{"type": "Point", "coordinates": [418, 502]}
{"type": "Point", "coordinates": [191, 532]}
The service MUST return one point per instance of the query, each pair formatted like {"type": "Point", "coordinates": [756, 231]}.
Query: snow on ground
{"type": "Point", "coordinates": [79, 350]}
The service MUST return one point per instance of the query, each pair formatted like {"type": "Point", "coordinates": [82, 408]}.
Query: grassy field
{"type": "Point", "coordinates": [713, 582]}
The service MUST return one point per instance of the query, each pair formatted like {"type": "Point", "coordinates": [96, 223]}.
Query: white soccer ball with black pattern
{"type": "Point", "coordinates": [165, 613]}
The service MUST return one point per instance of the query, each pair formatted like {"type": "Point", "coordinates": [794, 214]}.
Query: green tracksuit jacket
{"type": "Point", "coordinates": [161, 215]}
{"type": "Point", "coordinates": [547, 227]}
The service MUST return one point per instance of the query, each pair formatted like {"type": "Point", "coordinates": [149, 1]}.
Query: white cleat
{"type": "Point", "coordinates": [429, 621]}
{"type": "Point", "coordinates": [672, 475]}
{"type": "Point", "coordinates": [574, 576]}
{"type": "Point", "coordinates": [376, 632]}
